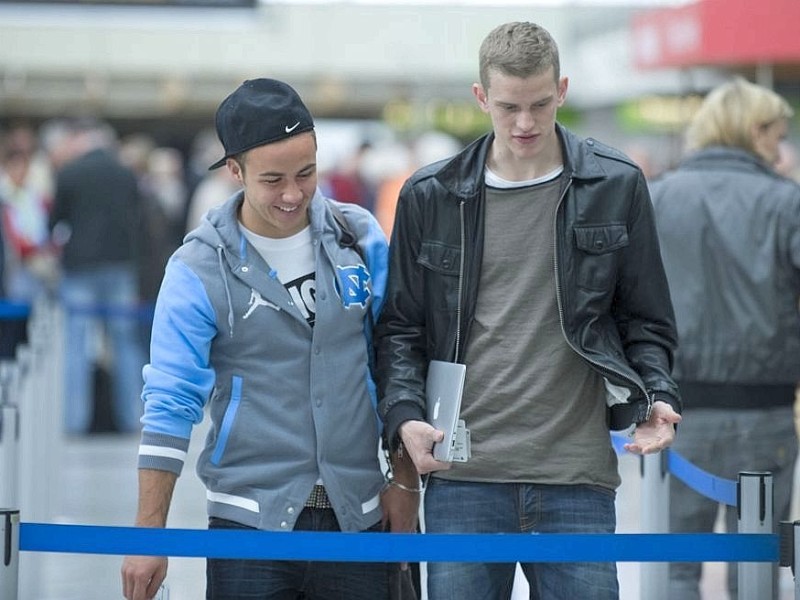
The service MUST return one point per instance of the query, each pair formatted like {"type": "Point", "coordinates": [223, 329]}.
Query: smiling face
{"type": "Point", "coordinates": [523, 114]}
{"type": "Point", "coordinates": [279, 180]}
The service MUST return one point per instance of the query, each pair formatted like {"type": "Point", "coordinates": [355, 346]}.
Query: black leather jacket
{"type": "Point", "coordinates": [612, 293]}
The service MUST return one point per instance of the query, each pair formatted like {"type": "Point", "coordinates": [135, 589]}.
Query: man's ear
{"type": "Point", "coordinates": [235, 169]}
{"type": "Point", "coordinates": [563, 85]}
{"type": "Point", "coordinates": [481, 96]}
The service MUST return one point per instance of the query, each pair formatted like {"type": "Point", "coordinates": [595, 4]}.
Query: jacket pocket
{"type": "Point", "coordinates": [440, 258]}
{"type": "Point", "coordinates": [228, 420]}
{"type": "Point", "coordinates": [441, 267]}
{"type": "Point", "coordinates": [596, 258]}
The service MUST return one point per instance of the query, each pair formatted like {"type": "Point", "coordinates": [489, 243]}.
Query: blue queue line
{"type": "Point", "coordinates": [397, 547]}
{"type": "Point", "coordinates": [10, 310]}
{"type": "Point", "coordinates": [704, 483]}
{"type": "Point", "coordinates": [372, 547]}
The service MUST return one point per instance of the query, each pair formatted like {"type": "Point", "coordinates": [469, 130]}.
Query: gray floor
{"type": "Point", "coordinates": [95, 484]}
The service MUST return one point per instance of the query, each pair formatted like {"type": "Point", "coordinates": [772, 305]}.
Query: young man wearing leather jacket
{"type": "Point", "coordinates": [531, 257]}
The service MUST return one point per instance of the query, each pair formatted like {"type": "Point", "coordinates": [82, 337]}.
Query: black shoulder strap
{"type": "Point", "coordinates": [347, 238]}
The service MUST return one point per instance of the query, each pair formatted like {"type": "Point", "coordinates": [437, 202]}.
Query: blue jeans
{"type": "Point", "coordinates": [465, 507]}
{"type": "Point", "coordinates": [106, 295]}
{"type": "Point", "coordinates": [233, 579]}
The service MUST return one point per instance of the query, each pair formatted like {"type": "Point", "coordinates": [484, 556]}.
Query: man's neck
{"type": "Point", "coordinates": [512, 169]}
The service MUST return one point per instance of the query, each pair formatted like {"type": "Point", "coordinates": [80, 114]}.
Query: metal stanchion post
{"type": "Point", "coordinates": [9, 456]}
{"type": "Point", "coordinates": [789, 537]}
{"type": "Point", "coordinates": [655, 519]}
{"type": "Point", "coordinates": [9, 494]}
{"type": "Point", "coordinates": [9, 531]}
{"type": "Point", "coordinates": [39, 456]}
{"type": "Point", "coordinates": [45, 344]}
{"type": "Point", "coordinates": [755, 505]}
{"type": "Point", "coordinates": [796, 559]}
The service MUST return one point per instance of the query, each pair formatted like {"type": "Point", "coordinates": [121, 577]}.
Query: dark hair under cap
{"type": "Point", "coordinates": [258, 112]}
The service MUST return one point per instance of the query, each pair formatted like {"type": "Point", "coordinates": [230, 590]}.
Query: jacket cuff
{"type": "Point", "coordinates": [624, 415]}
{"type": "Point", "coordinates": [674, 402]}
{"type": "Point", "coordinates": [395, 417]}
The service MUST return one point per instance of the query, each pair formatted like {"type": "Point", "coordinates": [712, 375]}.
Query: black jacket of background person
{"type": "Point", "coordinates": [730, 231]}
{"type": "Point", "coordinates": [98, 198]}
{"type": "Point", "coordinates": [612, 292]}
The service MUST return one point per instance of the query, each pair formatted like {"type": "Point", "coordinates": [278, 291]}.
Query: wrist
{"type": "Point", "coordinates": [411, 489]}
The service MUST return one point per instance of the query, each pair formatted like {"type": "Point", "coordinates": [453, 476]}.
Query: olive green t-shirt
{"type": "Point", "coordinates": [535, 409]}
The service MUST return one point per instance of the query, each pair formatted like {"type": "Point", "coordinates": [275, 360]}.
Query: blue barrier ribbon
{"type": "Point", "coordinates": [14, 310]}
{"type": "Point", "coordinates": [398, 547]}
{"type": "Point", "coordinates": [618, 442]}
{"type": "Point", "coordinates": [704, 483]}
{"type": "Point", "coordinates": [10, 310]}
{"type": "Point", "coordinates": [139, 312]}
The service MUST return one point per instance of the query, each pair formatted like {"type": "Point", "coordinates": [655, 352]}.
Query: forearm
{"type": "Point", "coordinates": [155, 495]}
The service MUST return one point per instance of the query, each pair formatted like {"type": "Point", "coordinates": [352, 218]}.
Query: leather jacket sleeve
{"type": "Point", "coordinates": [643, 309]}
{"type": "Point", "coordinates": [400, 333]}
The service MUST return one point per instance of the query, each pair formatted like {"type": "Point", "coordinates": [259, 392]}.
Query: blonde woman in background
{"type": "Point", "coordinates": [729, 227]}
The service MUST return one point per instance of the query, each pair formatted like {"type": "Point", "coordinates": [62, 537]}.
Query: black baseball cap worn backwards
{"type": "Point", "coordinates": [258, 112]}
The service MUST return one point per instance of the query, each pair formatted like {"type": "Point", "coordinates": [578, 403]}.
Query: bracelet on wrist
{"type": "Point", "coordinates": [405, 488]}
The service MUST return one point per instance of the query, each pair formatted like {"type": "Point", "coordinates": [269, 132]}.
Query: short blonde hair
{"type": "Point", "coordinates": [729, 113]}
{"type": "Point", "coordinates": [518, 49]}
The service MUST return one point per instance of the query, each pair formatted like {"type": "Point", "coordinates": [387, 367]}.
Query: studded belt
{"type": "Point", "coordinates": [318, 498]}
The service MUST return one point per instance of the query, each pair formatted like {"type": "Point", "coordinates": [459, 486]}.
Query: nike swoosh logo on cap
{"type": "Point", "coordinates": [292, 128]}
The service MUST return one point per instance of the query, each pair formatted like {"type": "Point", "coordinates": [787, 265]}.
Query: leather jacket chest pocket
{"type": "Point", "coordinates": [596, 259]}
{"type": "Point", "coordinates": [442, 264]}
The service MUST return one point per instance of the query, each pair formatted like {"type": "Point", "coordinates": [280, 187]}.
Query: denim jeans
{"type": "Point", "coordinates": [107, 296]}
{"type": "Point", "coordinates": [229, 579]}
{"type": "Point", "coordinates": [725, 442]}
{"type": "Point", "coordinates": [466, 507]}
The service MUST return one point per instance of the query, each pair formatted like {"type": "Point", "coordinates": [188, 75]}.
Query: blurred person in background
{"type": "Point", "coordinates": [57, 139]}
{"type": "Point", "coordinates": [157, 238]}
{"type": "Point", "coordinates": [215, 187]}
{"type": "Point", "coordinates": [164, 181]}
{"type": "Point", "coordinates": [729, 227]}
{"type": "Point", "coordinates": [346, 181]}
{"type": "Point", "coordinates": [386, 166]}
{"type": "Point", "coordinates": [262, 321]}
{"type": "Point", "coordinates": [392, 165]}
{"type": "Point", "coordinates": [531, 257]}
{"type": "Point", "coordinates": [29, 265]}
{"type": "Point", "coordinates": [96, 218]}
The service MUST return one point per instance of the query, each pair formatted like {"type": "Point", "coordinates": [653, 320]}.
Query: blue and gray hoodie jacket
{"type": "Point", "coordinates": [289, 404]}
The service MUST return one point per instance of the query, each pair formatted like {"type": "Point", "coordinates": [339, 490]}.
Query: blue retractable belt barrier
{"type": "Point", "coordinates": [710, 486]}
{"type": "Point", "coordinates": [139, 312]}
{"type": "Point", "coordinates": [10, 310]}
{"type": "Point", "coordinates": [704, 483]}
{"type": "Point", "coordinates": [396, 547]}
{"type": "Point", "coordinates": [14, 310]}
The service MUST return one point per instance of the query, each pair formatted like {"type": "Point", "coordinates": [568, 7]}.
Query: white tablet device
{"type": "Point", "coordinates": [443, 389]}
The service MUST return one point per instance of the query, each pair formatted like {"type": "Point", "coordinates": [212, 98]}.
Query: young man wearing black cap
{"type": "Point", "coordinates": [263, 320]}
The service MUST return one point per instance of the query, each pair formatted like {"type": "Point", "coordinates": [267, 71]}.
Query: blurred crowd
{"type": "Point", "coordinates": [86, 212]}
{"type": "Point", "coordinates": [71, 231]}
